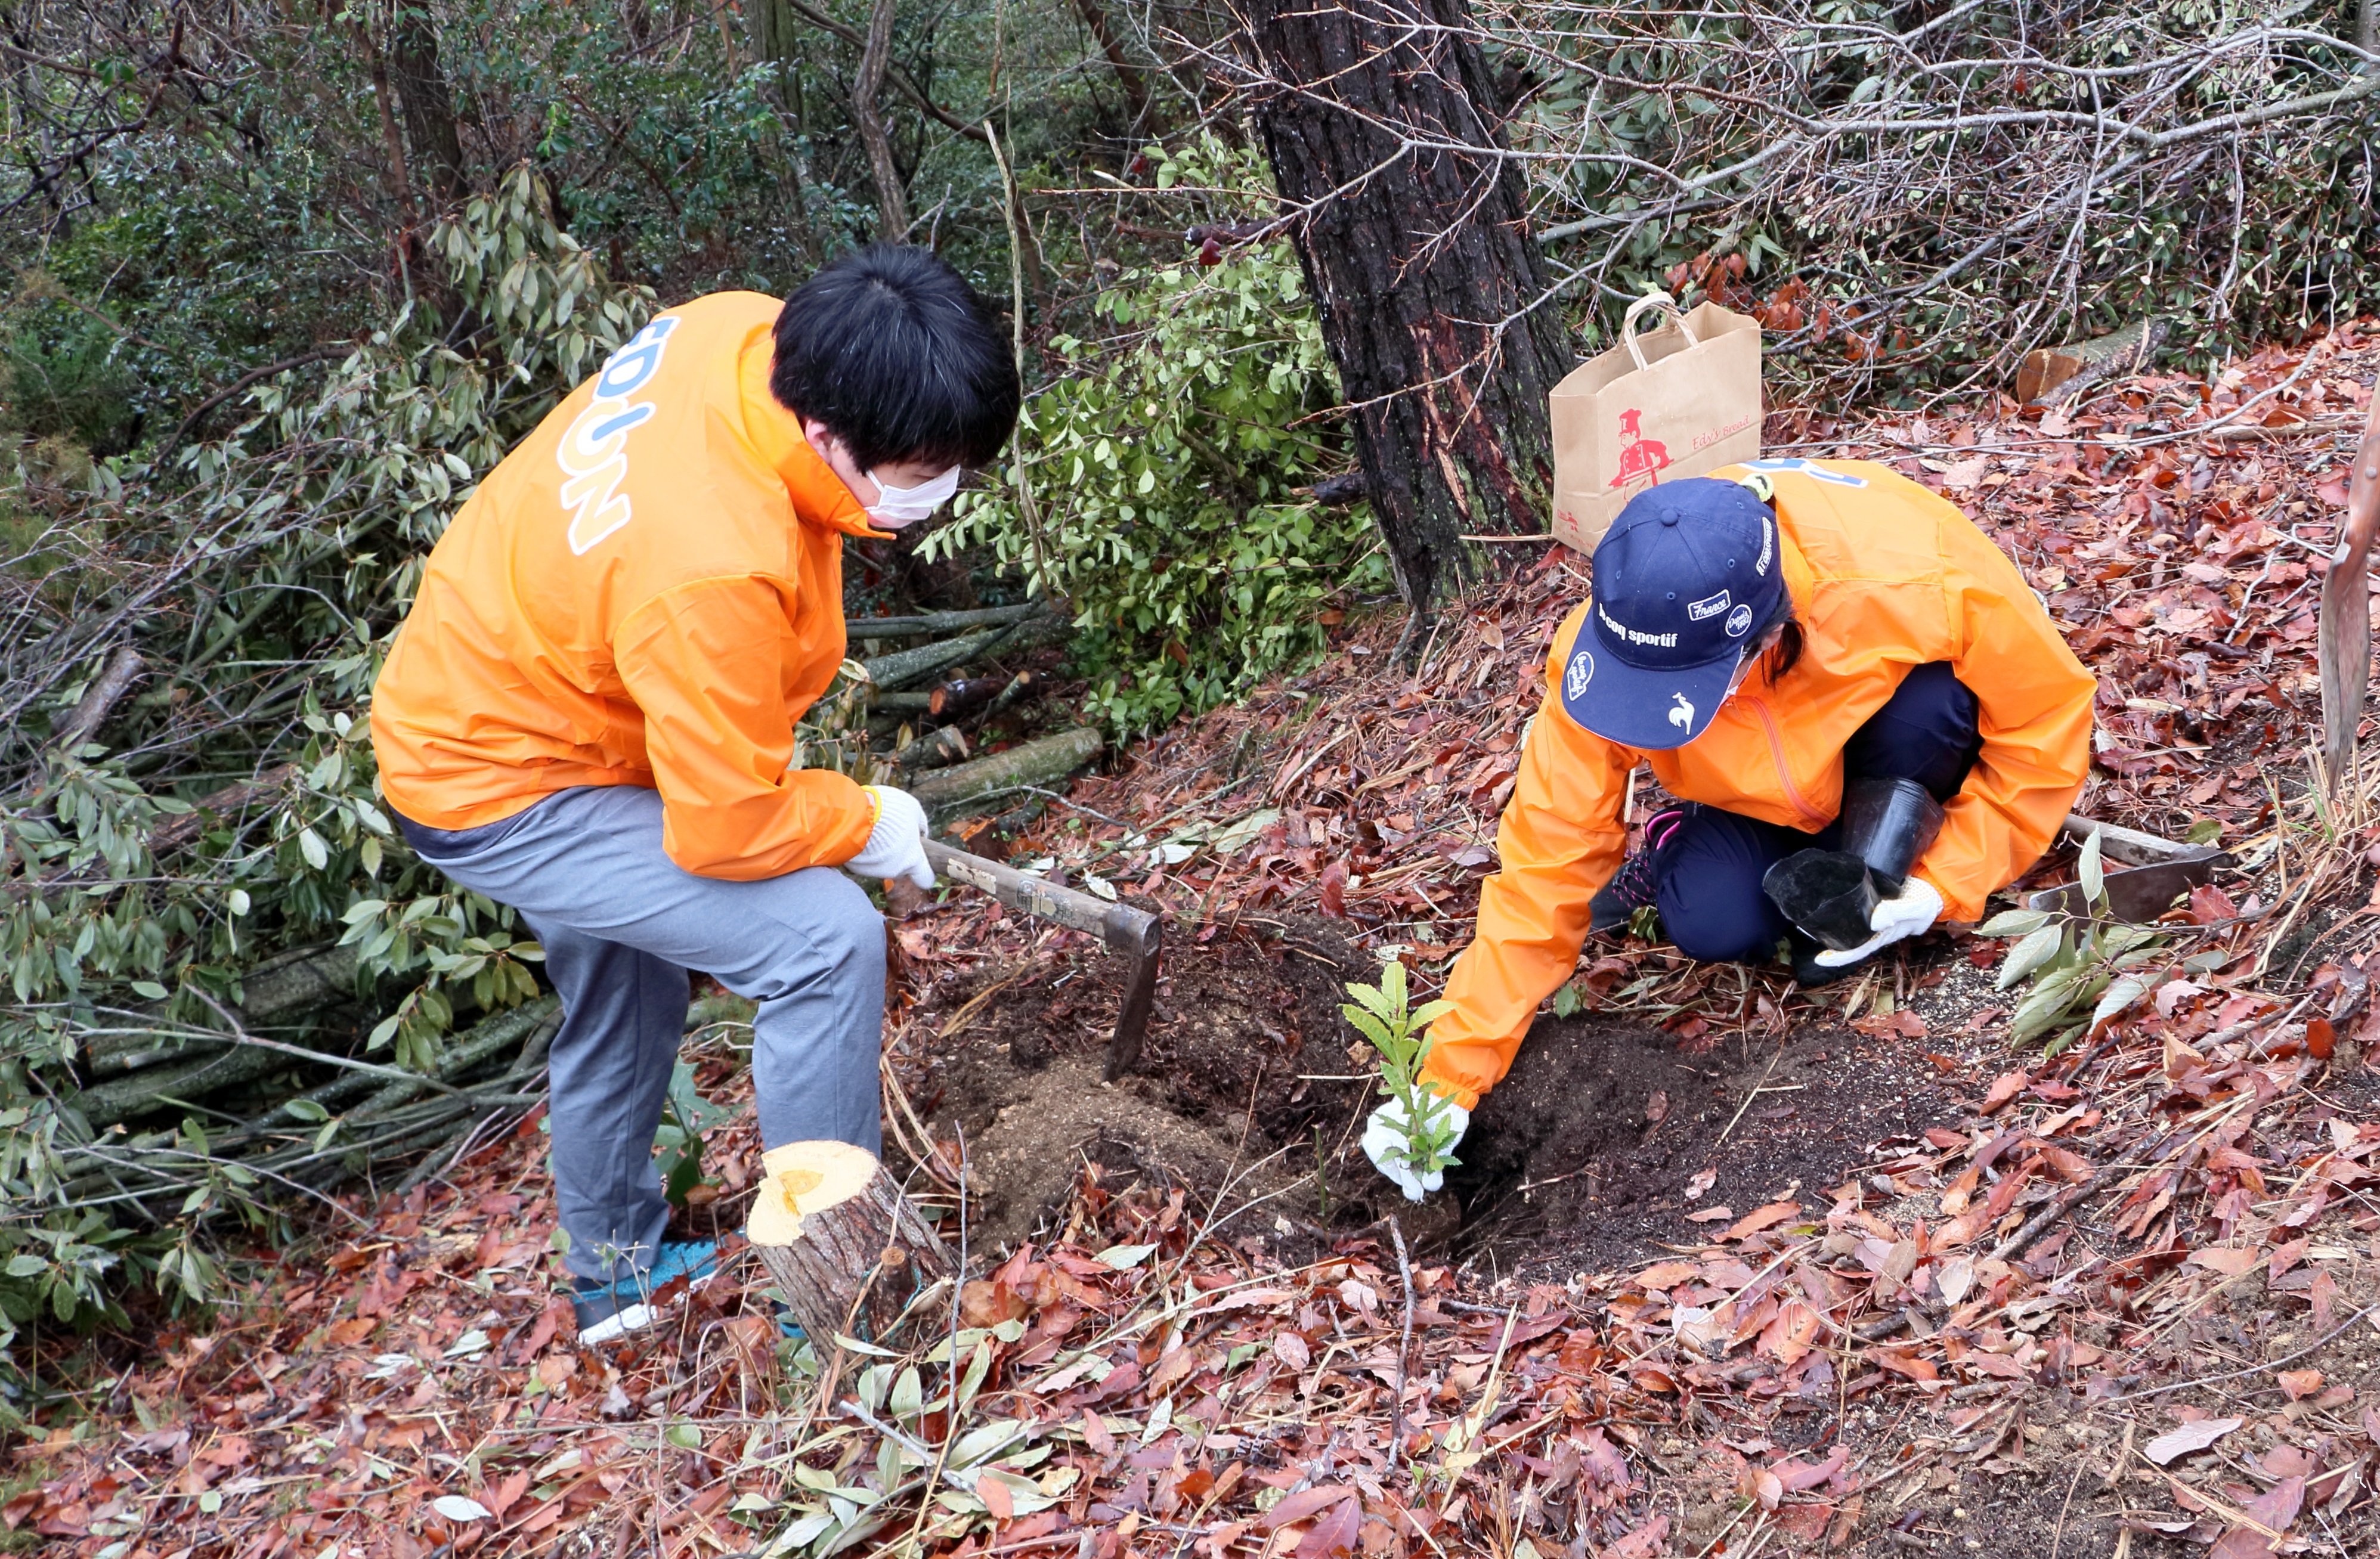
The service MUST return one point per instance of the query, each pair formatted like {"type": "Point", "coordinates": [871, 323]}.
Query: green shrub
{"type": "Point", "coordinates": [63, 375]}
{"type": "Point", "coordinates": [1164, 464]}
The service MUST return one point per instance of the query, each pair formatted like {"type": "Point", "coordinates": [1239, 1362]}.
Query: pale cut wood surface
{"type": "Point", "coordinates": [846, 1250]}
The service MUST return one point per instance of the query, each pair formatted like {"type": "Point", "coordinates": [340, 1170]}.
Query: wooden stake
{"type": "Point", "coordinates": [847, 1250]}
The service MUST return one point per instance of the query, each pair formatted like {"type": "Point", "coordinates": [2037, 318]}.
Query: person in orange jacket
{"type": "Point", "coordinates": [588, 713]}
{"type": "Point", "coordinates": [1757, 637]}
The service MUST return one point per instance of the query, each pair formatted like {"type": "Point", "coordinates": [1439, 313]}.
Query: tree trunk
{"type": "Point", "coordinates": [2367, 27]}
{"type": "Point", "coordinates": [868, 117]}
{"type": "Point", "coordinates": [847, 1250]}
{"type": "Point", "coordinates": [399, 178]}
{"type": "Point", "coordinates": [771, 26]}
{"type": "Point", "coordinates": [768, 25]}
{"type": "Point", "coordinates": [428, 106]}
{"type": "Point", "coordinates": [1421, 262]}
{"type": "Point", "coordinates": [1128, 75]}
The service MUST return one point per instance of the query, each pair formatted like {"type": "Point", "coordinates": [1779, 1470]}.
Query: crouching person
{"type": "Point", "coordinates": [588, 715]}
{"type": "Point", "coordinates": [1761, 638]}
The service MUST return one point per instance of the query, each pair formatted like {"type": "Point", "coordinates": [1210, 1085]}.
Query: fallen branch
{"type": "Point", "coordinates": [288, 982]}
{"type": "Point", "coordinates": [175, 833]}
{"type": "Point", "coordinates": [1036, 763]}
{"type": "Point", "coordinates": [932, 750]}
{"type": "Point", "coordinates": [204, 408]}
{"type": "Point", "coordinates": [392, 1123]}
{"type": "Point", "coordinates": [889, 673]}
{"type": "Point", "coordinates": [99, 700]}
{"type": "Point", "coordinates": [958, 697]}
{"type": "Point", "coordinates": [933, 624]}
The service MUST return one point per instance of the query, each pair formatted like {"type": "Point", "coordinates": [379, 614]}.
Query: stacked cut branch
{"type": "Point", "coordinates": [995, 632]}
{"type": "Point", "coordinates": [1029, 766]}
{"type": "Point", "coordinates": [301, 1111]}
{"type": "Point", "coordinates": [915, 687]}
{"type": "Point", "coordinates": [366, 1120]}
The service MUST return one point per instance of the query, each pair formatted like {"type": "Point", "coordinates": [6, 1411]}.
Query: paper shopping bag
{"type": "Point", "coordinates": [1679, 401]}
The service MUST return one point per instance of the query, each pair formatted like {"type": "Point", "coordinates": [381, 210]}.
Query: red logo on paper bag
{"type": "Point", "coordinates": [1639, 456]}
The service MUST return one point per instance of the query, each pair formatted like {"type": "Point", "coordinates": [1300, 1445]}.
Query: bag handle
{"type": "Point", "coordinates": [1666, 305]}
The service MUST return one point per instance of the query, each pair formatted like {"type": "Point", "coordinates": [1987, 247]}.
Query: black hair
{"type": "Point", "coordinates": [900, 358]}
{"type": "Point", "coordinates": [1782, 656]}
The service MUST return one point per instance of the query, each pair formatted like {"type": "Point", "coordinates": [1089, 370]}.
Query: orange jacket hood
{"type": "Point", "coordinates": [646, 591]}
{"type": "Point", "coordinates": [1885, 575]}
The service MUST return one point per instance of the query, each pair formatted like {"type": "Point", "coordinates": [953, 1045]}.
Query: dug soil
{"type": "Point", "coordinates": [1606, 1137]}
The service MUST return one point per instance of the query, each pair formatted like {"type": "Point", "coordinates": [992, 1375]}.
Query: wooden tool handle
{"type": "Point", "coordinates": [2362, 493]}
{"type": "Point", "coordinates": [2343, 646]}
{"type": "Point", "coordinates": [1121, 927]}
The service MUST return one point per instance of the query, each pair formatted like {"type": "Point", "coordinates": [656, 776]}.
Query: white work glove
{"type": "Point", "coordinates": [1906, 913]}
{"type": "Point", "coordinates": [897, 846]}
{"type": "Point", "coordinates": [1387, 1144]}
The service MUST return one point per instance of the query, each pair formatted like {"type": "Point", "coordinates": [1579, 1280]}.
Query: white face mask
{"type": "Point", "coordinates": [899, 506]}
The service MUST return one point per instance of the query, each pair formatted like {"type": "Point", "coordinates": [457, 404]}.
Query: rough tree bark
{"type": "Point", "coordinates": [1420, 259]}
{"type": "Point", "coordinates": [868, 118]}
{"type": "Point", "coordinates": [428, 105]}
{"type": "Point", "coordinates": [2367, 27]}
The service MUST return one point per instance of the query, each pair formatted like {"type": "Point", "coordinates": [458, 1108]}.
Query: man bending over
{"type": "Point", "coordinates": [588, 715]}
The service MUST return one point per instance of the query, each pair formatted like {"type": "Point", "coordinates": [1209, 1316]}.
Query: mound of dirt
{"type": "Point", "coordinates": [1605, 1136]}
{"type": "Point", "coordinates": [1600, 1142]}
{"type": "Point", "coordinates": [1244, 1069]}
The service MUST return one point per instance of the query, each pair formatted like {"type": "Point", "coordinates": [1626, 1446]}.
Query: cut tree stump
{"type": "Point", "coordinates": [849, 1251]}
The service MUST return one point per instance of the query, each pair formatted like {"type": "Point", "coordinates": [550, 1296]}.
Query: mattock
{"type": "Point", "coordinates": [1136, 933]}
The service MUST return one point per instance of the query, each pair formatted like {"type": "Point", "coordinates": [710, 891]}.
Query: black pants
{"type": "Point", "coordinates": [1709, 869]}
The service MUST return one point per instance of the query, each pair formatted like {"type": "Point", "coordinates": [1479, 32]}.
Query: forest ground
{"type": "Point", "coordinates": [1729, 1269]}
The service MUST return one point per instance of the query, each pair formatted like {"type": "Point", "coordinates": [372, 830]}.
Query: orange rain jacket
{"type": "Point", "coordinates": [1883, 575]}
{"type": "Point", "coordinates": [648, 591]}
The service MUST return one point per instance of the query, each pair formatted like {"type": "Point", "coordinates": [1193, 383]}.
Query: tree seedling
{"type": "Point", "coordinates": [2084, 970]}
{"type": "Point", "coordinates": [685, 1116]}
{"type": "Point", "coordinates": [1382, 1015]}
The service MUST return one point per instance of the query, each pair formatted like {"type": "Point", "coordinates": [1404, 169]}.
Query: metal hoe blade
{"type": "Point", "coordinates": [2157, 872]}
{"type": "Point", "coordinates": [1136, 933]}
{"type": "Point", "coordinates": [2139, 894]}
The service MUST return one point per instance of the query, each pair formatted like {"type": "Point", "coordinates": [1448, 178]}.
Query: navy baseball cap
{"type": "Point", "coordinates": [1681, 578]}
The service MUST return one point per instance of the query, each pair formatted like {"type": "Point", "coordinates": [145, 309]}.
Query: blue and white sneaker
{"type": "Point", "coordinates": [789, 1329]}
{"type": "Point", "coordinates": [607, 1310]}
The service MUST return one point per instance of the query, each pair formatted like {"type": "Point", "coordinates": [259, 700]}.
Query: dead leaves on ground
{"type": "Point", "coordinates": [422, 1389]}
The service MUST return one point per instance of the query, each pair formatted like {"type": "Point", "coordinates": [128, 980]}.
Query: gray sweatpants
{"type": "Point", "coordinates": [621, 924]}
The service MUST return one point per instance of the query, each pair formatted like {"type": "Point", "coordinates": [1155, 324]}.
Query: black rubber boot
{"type": "Point", "coordinates": [1808, 972]}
